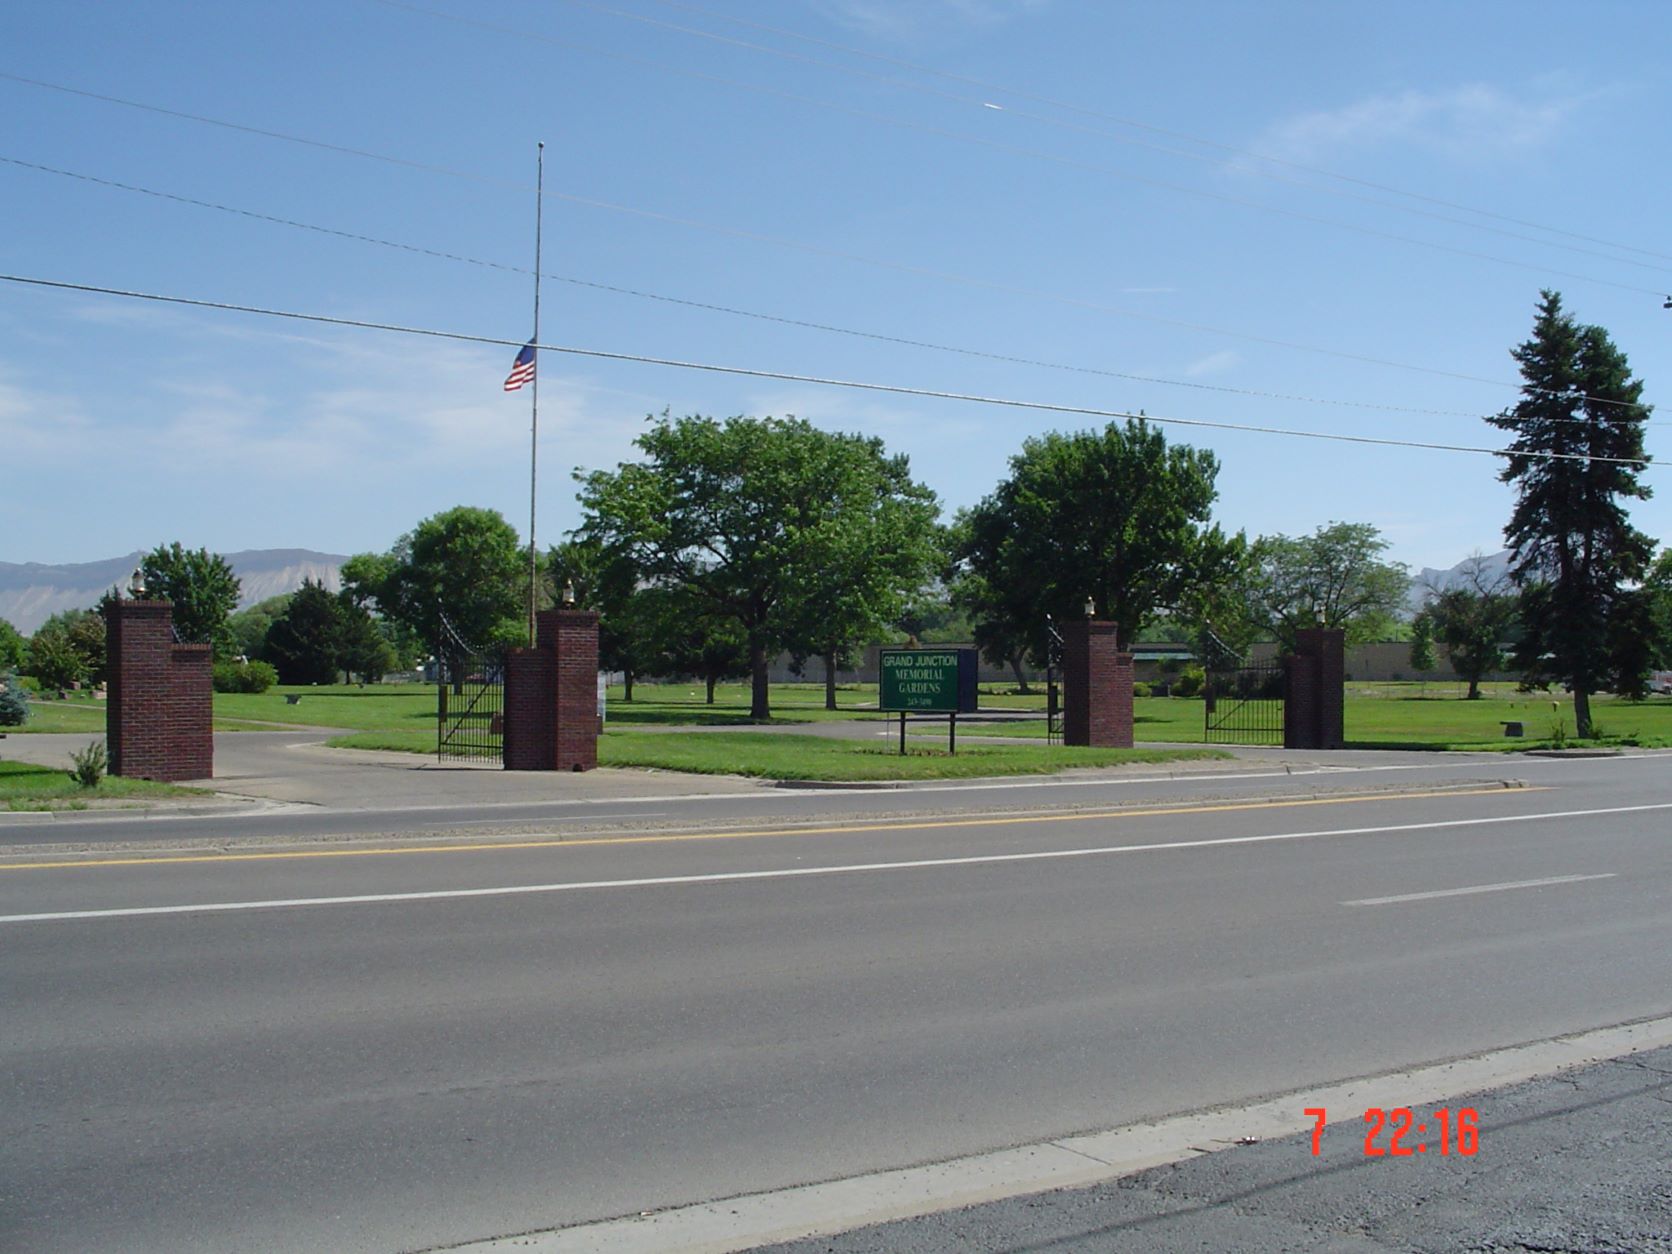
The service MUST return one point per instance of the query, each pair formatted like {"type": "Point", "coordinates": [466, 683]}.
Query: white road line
{"type": "Point", "coordinates": [1477, 888]}
{"type": "Point", "coordinates": [725, 877]}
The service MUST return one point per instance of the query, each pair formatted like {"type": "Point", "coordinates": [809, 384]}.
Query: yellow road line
{"type": "Point", "coordinates": [672, 838]}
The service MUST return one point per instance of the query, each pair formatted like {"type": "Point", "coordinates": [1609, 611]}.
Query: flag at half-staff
{"type": "Point", "coordinates": [522, 370]}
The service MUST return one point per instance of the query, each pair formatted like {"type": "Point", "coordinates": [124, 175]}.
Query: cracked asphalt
{"type": "Point", "coordinates": [1577, 1163]}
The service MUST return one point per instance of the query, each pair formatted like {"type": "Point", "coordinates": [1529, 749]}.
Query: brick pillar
{"type": "Point", "coordinates": [572, 637]}
{"type": "Point", "coordinates": [530, 710]}
{"type": "Point", "coordinates": [159, 709]}
{"type": "Point", "coordinates": [551, 696]}
{"type": "Point", "coordinates": [1097, 687]}
{"type": "Point", "coordinates": [1314, 700]}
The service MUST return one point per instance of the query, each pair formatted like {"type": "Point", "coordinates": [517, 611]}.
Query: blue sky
{"type": "Point", "coordinates": [1070, 184]}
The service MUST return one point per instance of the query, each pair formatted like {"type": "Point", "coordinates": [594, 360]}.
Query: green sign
{"type": "Point", "coordinates": [933, 681]}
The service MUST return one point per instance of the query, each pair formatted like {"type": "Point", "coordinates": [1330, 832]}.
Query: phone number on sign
{"type": "Point", "coordinates": [1456, 1132]}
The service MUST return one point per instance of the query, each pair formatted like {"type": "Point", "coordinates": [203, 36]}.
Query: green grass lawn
{"type": "Point", "coordinates": [78, 712]}
{"type": "Point", "coordinates": [1413, 716]}
{"type": "Point", "coordinates": [1393, 715]}
{"type": "Point", "coordinates": [24, 786]}
{"type": "Point", "coordinates": [772, 755]}
{"type": "Point", "coordinates": [1436, 716]}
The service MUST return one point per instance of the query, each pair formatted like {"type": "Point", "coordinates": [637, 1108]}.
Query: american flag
{"type": "Point", "coordinates": [522, 370]}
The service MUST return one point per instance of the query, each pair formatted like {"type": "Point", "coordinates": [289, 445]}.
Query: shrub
{"type": "Point", "coordinates": [1190, 681]}
{"type": "Point", "coordinates": [14, 703]}
{"type": "Point", "coordinates": [1140, 689]}
{"type": "Point", "coordinates": [244, 677]}
{"type": "Point", "coordinates": [90, 764]}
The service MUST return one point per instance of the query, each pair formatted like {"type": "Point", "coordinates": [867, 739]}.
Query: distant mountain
{"type": "Point", "coordinates": [1494, 568]}
{"type": "Point", "coordinates": [31, 593]}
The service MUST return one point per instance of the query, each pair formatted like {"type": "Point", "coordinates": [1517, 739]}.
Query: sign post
{"type": "Point", "coordinates": [928, 681]}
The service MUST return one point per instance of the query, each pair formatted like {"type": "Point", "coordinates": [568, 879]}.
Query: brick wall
{"type": "Point", "coordinates": [1315, 696]}
{"type": "Point", "coordinates": [1097, 687]}
{"type": "Point", "coordinates": [551, 696]}
{"type": "Point", "coordinates": [530, 719]}
{"type": "Point", "coordinates": [159, 715]}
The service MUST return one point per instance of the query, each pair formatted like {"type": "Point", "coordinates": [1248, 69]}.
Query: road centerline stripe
{"type": "Point", "coordinates": [1136, 812]}
{"type": "Point", "coordinates": [784, 873]}
{"type": "Point", "coordinates": [1478, 888]}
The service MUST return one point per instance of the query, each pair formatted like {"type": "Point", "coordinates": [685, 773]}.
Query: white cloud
{"type": "Point", "coordinates": [1467, 122]}
{"type": "Point", "coordinates": [1213, 363]}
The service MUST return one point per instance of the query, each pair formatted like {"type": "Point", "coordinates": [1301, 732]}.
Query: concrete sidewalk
{"type": "Point", "coordinates": [1579, 1161]}
{"type": "Point", "coordinates": [296, 767]}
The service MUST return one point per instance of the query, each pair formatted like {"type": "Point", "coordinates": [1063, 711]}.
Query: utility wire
{"type": "Point", "coordinates": [712, 307]}
{"type": "Point", "coordinates": [746, 313]}
{"type": "Point", "coordinates": [1642, 463]}
{"type": "Point", "coordinates": [782, 242]}
{"type": "Point", "coordinates": [1036, 153]}
{"type": "Point", "coordinates": [1084, 111]}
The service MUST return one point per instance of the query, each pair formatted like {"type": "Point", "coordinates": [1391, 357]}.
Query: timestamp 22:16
{"type": "Point", "coordinates": [1459, 1131]}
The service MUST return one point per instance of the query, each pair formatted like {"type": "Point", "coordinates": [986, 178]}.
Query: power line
{"type": "Point", "coordinates": [782, 242]}
{"type": "Point", "coordinates": [222, 123]}
{"type": "Point", "coordinates": [1085, 111]}
{"type": "Point", "coordinates": [712, 307]}
{"type": "Point", "coordinates": [1033, 153]}
{"type": "Point", "coordinates": [817, 380]}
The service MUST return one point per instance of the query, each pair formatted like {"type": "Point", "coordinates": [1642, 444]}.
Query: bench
{"type": "Point", "coordinates": [1513, 729]}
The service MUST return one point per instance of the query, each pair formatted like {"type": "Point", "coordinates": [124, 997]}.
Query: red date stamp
{"type": "Point", "coordinates": [1445, 1130]}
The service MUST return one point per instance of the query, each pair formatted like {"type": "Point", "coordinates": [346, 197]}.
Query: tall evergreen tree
{"type": "Point", "coordinates": [305, 642]}
{"type": "Point", "coordinates": [1575, 461]}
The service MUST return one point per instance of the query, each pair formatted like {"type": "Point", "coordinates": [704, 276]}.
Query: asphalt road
{"type": "Point", "coordinates": [421, 1048]}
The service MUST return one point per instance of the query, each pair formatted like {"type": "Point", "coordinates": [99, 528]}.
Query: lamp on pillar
{"type": "Point", "coordinates": [1091, 608]}
{"type": "Point", "coordinates": [569, 595]}
{"type": "Point", "coordinates": [136, 583]}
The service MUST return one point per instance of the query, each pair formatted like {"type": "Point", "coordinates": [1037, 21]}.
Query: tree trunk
{"type": "Point", "coordinates": [1474, 688]}
{"type": "Point", "coordinates": [627, 685]}
{"type": "Point", "coordinates": [760, 706]}
{"type": "Point", "coordinates": [1021, 676]}
{"type": "Point", "coordinates": [830, 681]}
{"type": "Point", "coordinates": [712, 680]}
{"type": "Point", "coordinates": [1581, 713]}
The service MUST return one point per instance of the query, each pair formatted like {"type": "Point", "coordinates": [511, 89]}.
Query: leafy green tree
{"type": "Point", "coordinates": [1006, 633]}
{"type": "Point", "coordinates": [14, 649]}
{"type": "Point", "coordinates": [1575, 462]}
{"type": "Point", "coordinates": [249, 627]}
{"type": "Point", "coordinates": [54, 661]}
{"type": "Point", "coordinates": [1332, 578]}
{"type": "Point", "coordinates": [934, 617]}
{"type": "Point", "coordinates": [749, 515]}
{"type": "Point", "coordinates": [305, 643]}
{"type": "Point", "coordinates": [880, 548]}
{"type": "Point", "coordinates": [202, 588]}
{"type": "Point", "coordinates": [607, 581]}
{"type": "Point", "coordinates": [1114, 517]}
{"type": "Point", "coordinates": [466, 563]}
{"type": "Point", "coordinates": [69, 648]}
{"type": "Point", "coordinates": [1473, 619]}
{"type": "Point", "coordinates": [367, 577]}
{"type": "Point", "coordinates": [689, 638]}
{"type": "Point", "coordinates": [1422, 644]}
{"type": "Point", "coordinates": [365, 649]}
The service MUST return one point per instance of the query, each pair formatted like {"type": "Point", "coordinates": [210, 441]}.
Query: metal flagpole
{"type": "Point", "coordinates": [534, 419]}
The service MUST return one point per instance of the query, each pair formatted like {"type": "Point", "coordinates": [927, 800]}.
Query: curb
{"type": "Point", "coordinates": [1076, 1161]}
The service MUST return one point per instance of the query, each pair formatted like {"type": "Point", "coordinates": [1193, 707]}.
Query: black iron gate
{"type": "Point", "coordinates": [1245, 703]}
{"type": "Point", "coordinates": [470, 700]}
